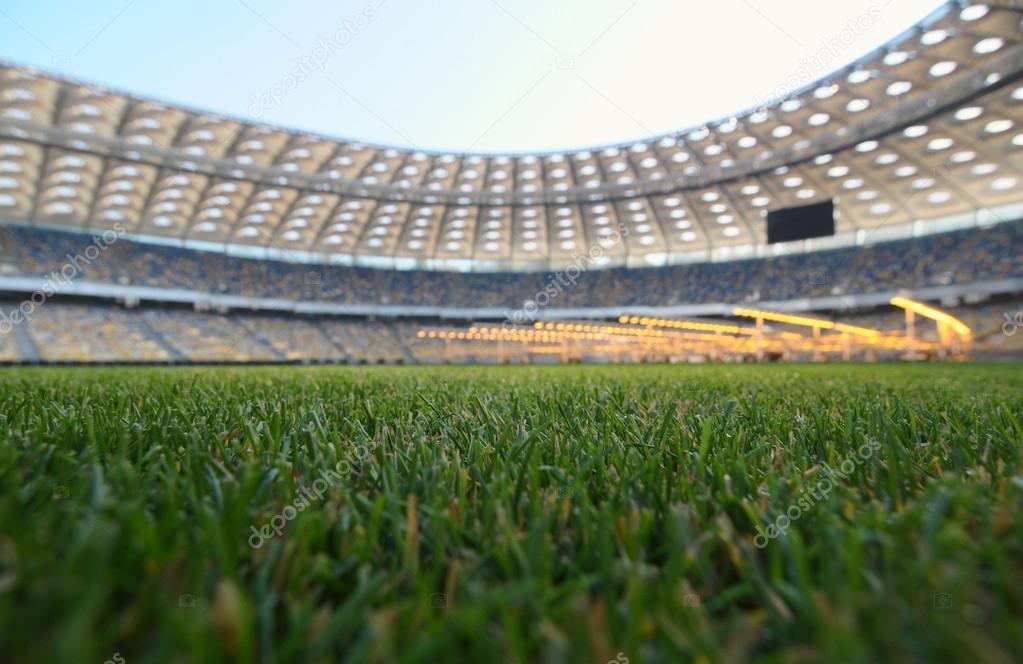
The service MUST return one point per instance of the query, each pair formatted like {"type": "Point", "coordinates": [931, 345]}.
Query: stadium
{"type": "Point", "coordinates": [855, 241]}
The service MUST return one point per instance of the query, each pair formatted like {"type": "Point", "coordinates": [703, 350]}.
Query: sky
{"type": "Point", "coordinates": [456, 75]}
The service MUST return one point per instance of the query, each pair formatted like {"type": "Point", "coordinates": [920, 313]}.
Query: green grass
{"type": "Point", "coordinates": [516, 514]}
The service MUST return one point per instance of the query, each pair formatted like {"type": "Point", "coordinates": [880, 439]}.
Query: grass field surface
{"type": "Point", "coordinates": [561, 514]}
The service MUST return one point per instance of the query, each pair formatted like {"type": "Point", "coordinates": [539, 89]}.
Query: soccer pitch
{"type": "Point", "coordinates": [576, 514]}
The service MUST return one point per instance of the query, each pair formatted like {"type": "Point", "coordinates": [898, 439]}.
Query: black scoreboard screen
{"type": "Point", "coordinates": [800, 223]}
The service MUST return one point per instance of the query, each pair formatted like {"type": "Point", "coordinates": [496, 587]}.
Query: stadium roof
{"type": "Point", "coordinates": [924, 129]}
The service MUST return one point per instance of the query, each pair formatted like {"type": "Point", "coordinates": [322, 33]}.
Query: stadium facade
{"type": "Point", "coordinates": [139, 230]}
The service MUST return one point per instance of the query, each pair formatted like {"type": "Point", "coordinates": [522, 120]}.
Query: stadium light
{"type": "Point", "coordinates": [960, 328]}
{"type": "Point", "coordinates": [805, 321]}
{"type": "Point", "coordinates": [686, 325]}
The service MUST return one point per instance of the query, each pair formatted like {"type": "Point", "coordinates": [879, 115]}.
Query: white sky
{"type": "Point", "coordinates": [458, 75]}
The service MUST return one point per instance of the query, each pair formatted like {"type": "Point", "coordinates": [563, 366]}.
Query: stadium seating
{"type": "Point", "coordinates": [995, 254]}
{"type": "Point", "coordinates": [76, 332]}
{"type": "Point", "coordinates": [64, 331]}
{"type": "Point", "coordinates": [293, 339]}
{"type": "Point", "coordinates": [208, 337]}
{"type": "Point", "coordinates": [958, 257]}
{"type": "Point", "coordinates": [70, 331]}
{"type": "Point", "coordinates": [366, 341]}
{"type": "Point", "coordinates": [8, 349]}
